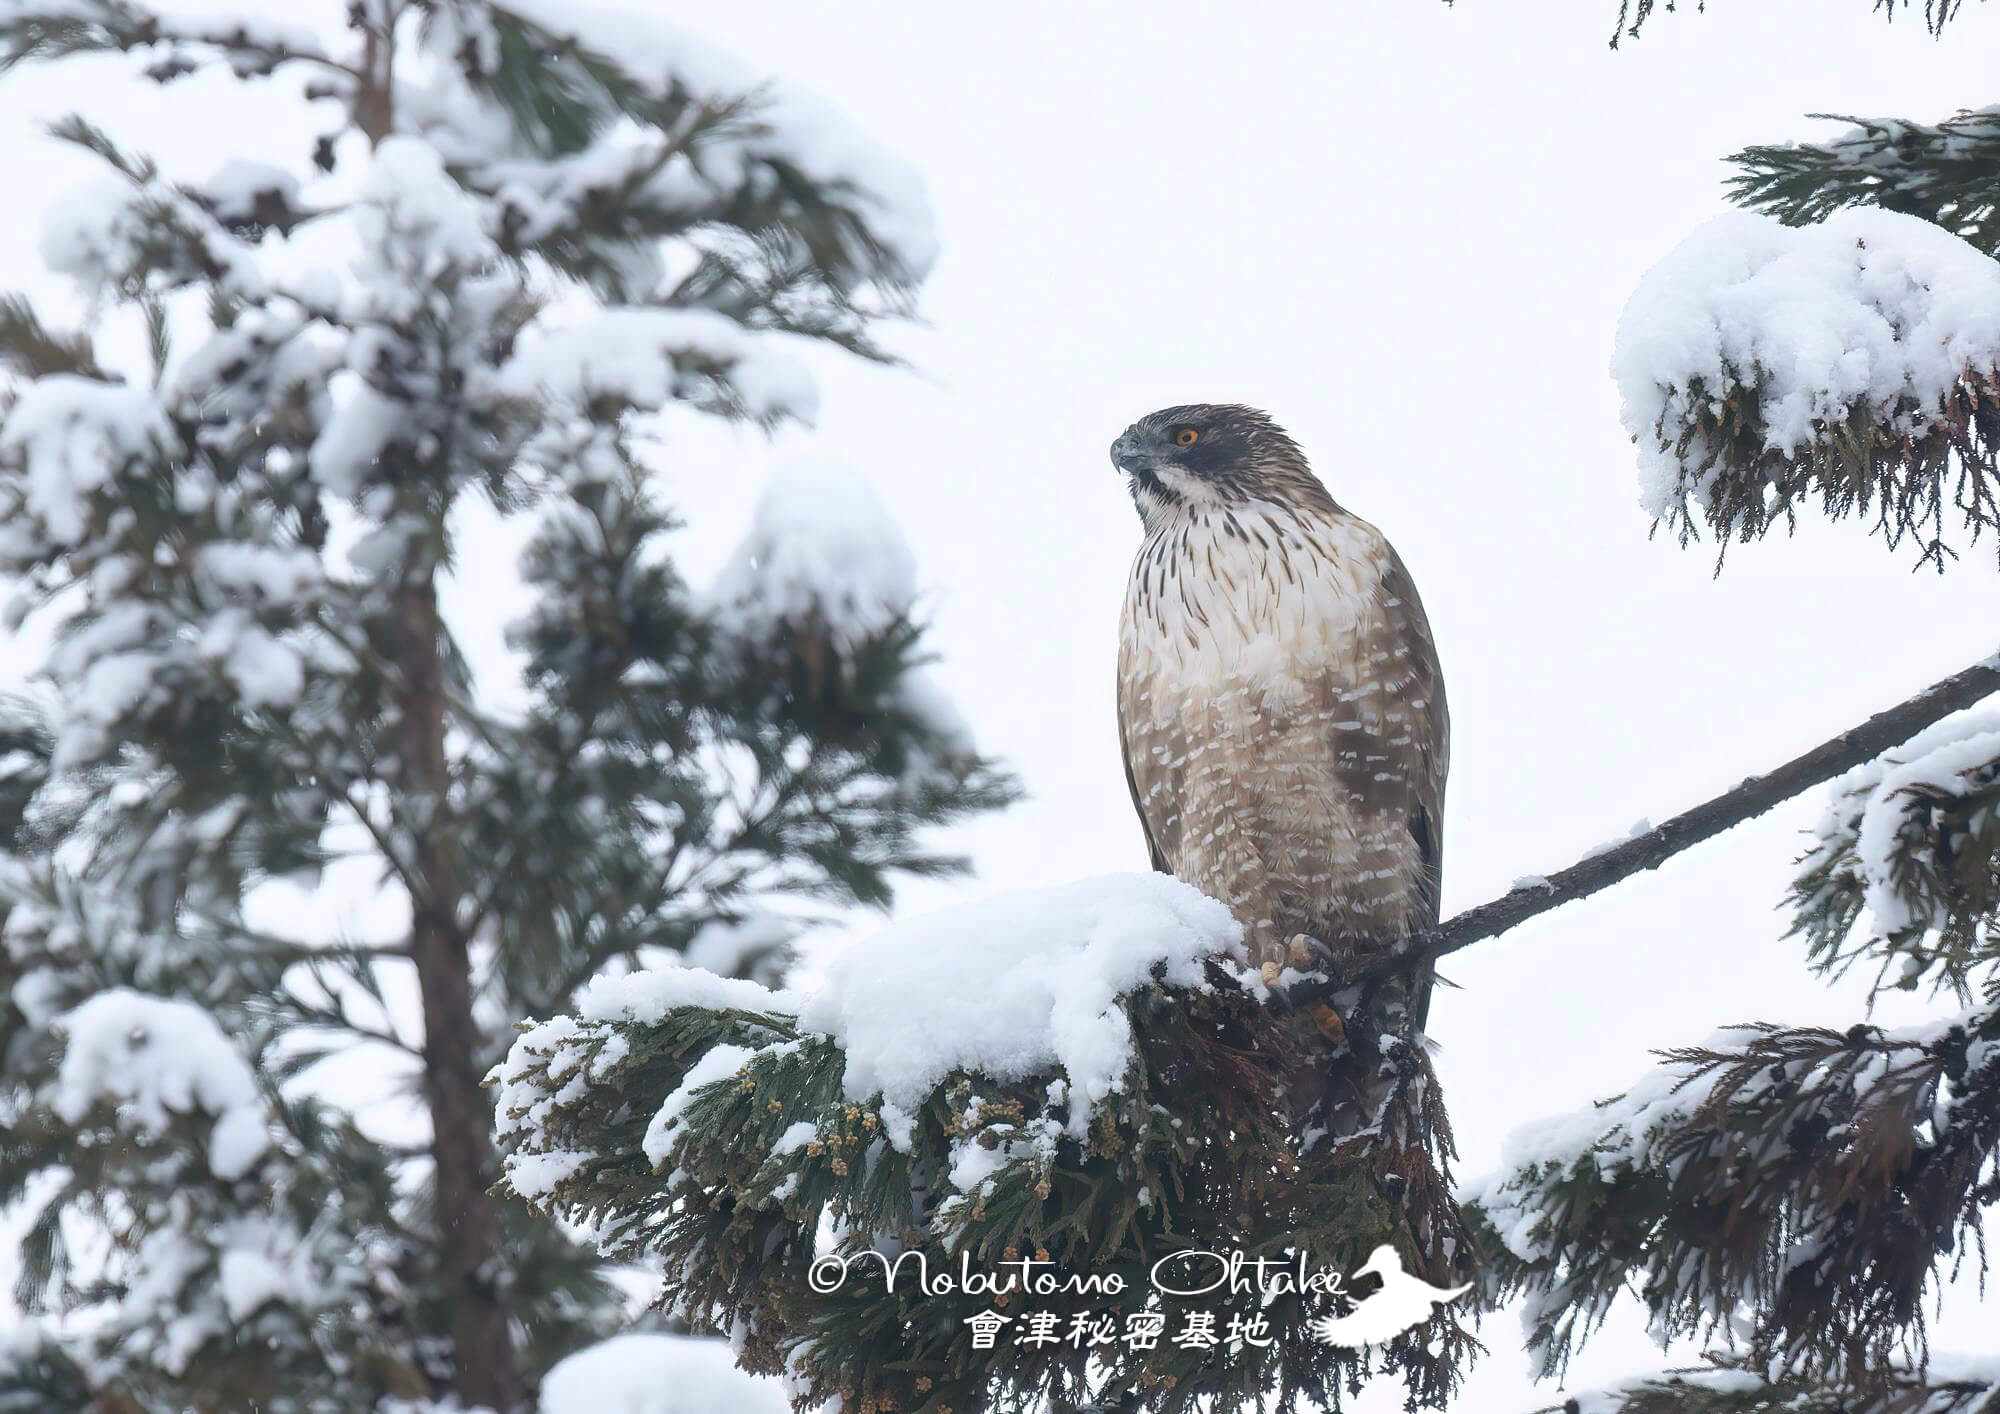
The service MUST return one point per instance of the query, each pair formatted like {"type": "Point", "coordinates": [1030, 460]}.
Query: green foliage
{"type": "Point", "coordinates": [318, 1211]}
{"type": "Point", "coordinates": [101, 26]}
{"type": "Point", "coordinates": [32, 350]}
{"type": "Point", "coordinates": [1732, 1385]}
{"type": "Point", "coordinates": [758, 1150]}
{"type": "Point", "coordinates": [1801, 1193]}
{"type": "Point", "coordinates": [238, 543]}
{"type": "Point", "coordinates": [1948, 173]}
{"type": "Point", "coordinates": [788, 253]}
{"type": "Point", "coordinates": [1633, 14]}
{"type": "Point", "coordinates": [1916, 471]}
{"type": "Point", "coordinates": [1921, 464]}
{"type": "Point", "coordinates": [1816, 1176]}
{"type": "Point", "coordinates": [1941, 887]}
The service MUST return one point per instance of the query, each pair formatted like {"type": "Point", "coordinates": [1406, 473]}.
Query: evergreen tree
{"type": "Point", "coordinates": [235, 495]}
{"type": "Point", "coordinates": [1799, 1194]}
{"type": "Point", "coordinates": [1793, 1194]}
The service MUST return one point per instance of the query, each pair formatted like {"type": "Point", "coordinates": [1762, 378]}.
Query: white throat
{"type": "Point", "coordinates": [1239, 592]}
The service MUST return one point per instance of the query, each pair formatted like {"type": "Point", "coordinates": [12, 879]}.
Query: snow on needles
{"type": "Point", "coordinates": [643, 358]}
{"type": "Point", "coordinates": [786, 126]}
{"type": "Point", "coordinates": [1009, 987]}
{"type": "Point", "coordinates": [1618, 1135]}
{"type": "Point", "coordinates": [657, 1374]}
{"type": "Point", "coordinates": [824, 556]}
{"type": "Point", "coordinates": [71, 436]}
{"type": "Point", "coordinates": [1874, 806]}
{"type": "Point", "coordinates": [822, 549]}
{"type": "Point", "coordinates": [1867, 309]}
{"type": "Point", "coordinates": [156, 1057]}
{"type": "Point", "coordinates": [1641, 1130]}
{"type": "Point", "coordinates": [411, 208]}
{"type": "Point", "coordinates": [1013, 985]}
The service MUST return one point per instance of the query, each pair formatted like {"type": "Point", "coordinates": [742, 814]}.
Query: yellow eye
{"type": "Point", "coordinates": [1187, 436]}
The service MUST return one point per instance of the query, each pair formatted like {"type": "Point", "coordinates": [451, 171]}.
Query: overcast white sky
{"type": "Point", "coordinates": [1407, 231]}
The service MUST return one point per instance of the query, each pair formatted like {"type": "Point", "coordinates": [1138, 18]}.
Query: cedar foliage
{"type": "Point", "coordinates": [1195, 1152]}
{"type": "Point", "coordinates": [1798, 1194]}
{"type": "Point", "coordinates": [1633, 14]}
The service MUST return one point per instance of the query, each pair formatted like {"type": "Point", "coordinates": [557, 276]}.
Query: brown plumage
{"type": "Point", "coordinates": [1283, 723]}
{"type": "Point", "coordinates": [1285, 738]}
{"type": "Point", "coordinates": [1279, 699]}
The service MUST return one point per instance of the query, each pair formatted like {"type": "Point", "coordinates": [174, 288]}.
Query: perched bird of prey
{"type": "Point", "coordinates": [1279, 700]}
{"type": "Point", "coordinates": [1283, 723]}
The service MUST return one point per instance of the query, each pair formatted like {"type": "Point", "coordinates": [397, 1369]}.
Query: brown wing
{"type": "Point", "coordinates": [1422, 688]}
{"type": "Point", "coordinates": [1131, 784]}
{"type": "Point", "coordinates": [1427, 754]}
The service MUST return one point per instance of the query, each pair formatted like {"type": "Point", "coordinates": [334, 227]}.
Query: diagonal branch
{"type": "Point", "coordinates": [1601, 869]}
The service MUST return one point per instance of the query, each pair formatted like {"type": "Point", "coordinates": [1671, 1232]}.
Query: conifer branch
{"type": "Point", "coordinates": [1633, 14]}
{"type": "Point", "coordinates": [290, 950]}
{"type": "Point", "coordinates": [1733, 1385]}
{"type": "Point", "coordinates": [337, 1017]}
{"type": "Point", "coordinates": [114, 26]}
{"type": "Point", "coordinates": [1602, 868]}
{"type": "Point", "coordinates": [1944, 172]}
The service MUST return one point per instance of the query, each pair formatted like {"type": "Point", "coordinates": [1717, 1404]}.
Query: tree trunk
{"type": "Point", "coordinates": [468, 1227]}
{"type": "Point", "coordinates": [468, 1222]}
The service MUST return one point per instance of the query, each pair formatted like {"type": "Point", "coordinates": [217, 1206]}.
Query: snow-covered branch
{"type": "Point", "coordinates": [1786, 1170]}
{"type": "Point", "coordinates": [1080, 1076]}
{"type": "Point", "coordinates": [1947, 173]}
{"type": "Point", "coordinates": [1855, 362]}
{"type": "Point", "coordinates": [1945, 1384]}
{"type": "Point", "coordinates": [253, 44]}
{"type": "Point", "coordinates": [529, 229]}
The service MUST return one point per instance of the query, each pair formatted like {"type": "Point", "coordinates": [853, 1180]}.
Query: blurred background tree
{"type": "Point", "coordinates": [233, 496]}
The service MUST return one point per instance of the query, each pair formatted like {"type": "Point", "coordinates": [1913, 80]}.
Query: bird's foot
{"type": "Point", "coordinates": [1308, 954]}
{"type": "Point", "coordinates": [1302, 983]}
{"type": "Point", "coordinates": [1328, 1021]}
{"type": "Point", "coordinates": [1306, 972]}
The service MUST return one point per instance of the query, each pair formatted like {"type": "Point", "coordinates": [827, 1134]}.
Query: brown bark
{"type": "Point", "coordinates": [468, 1225]}
{"type": "Point", "coordinates": [470, 1259]}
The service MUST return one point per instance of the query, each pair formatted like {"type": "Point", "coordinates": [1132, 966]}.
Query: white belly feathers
{"type": "Point", "coordinates": [1270, 602]}
{"type": "Point", "coordinates": [1242, 683]}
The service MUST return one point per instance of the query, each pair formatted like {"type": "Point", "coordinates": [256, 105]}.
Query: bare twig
{"type": "Point", "coordinates": [1602, 869]}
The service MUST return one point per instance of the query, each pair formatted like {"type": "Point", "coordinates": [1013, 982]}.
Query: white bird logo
{"type": "Point", "coordinates": [1403, 1303]}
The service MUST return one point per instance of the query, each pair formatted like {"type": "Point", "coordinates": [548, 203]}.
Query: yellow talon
{"type": "Point", "coordinates": [1327, 1020]}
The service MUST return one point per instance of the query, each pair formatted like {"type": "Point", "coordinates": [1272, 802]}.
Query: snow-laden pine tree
{"type": "Point", "coordinates": [231, 499]}
{"type": "Point", "coordinates": [1797, 1196]}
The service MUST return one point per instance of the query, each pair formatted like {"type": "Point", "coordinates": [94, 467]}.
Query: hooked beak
{"type": "Point", "coordinates": [1129, 456]}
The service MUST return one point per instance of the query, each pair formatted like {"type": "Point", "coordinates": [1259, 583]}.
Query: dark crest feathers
{"type": "Point", "coordinates": [1242, 453]}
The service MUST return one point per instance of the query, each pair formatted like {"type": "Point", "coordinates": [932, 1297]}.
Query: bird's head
{"type": "Point", "coordinates": [1208, 455]}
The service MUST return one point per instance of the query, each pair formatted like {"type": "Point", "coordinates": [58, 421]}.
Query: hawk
{"type": "Point", "coordinates": [1280, 707]}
